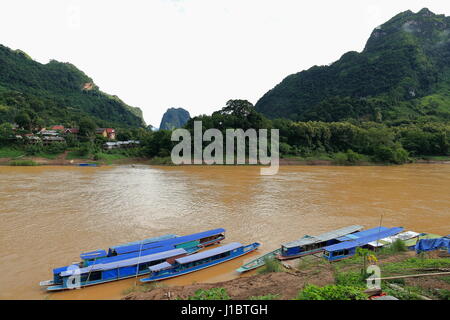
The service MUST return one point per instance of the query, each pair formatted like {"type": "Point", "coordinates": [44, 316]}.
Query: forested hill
{"type": "Point", "coordinates": [57, 93]}
{"type": "Point", "coordinates": [402, 74]}
{"type": "Point", "coordinates": [174, 118]}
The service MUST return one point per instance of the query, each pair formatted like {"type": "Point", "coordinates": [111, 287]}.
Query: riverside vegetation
{"type": "Point", "coordinates": [388, 104]}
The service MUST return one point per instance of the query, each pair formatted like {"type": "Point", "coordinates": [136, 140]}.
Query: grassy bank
{"type": "Point", "coordinates": [23, 163]}
{"type": "Point", "coordinates": [313, 278]}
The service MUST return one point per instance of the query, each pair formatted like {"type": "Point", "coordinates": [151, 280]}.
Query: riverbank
{"type": "Point", "coordinates": [61, 160]}
{"type": "Point", "coordinates": [313, 271]}
{"type": "Point", "coordinates": [17, 157]}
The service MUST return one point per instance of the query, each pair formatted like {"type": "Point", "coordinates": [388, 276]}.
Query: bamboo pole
{"type": "Point", "coordinates": [414, 276]}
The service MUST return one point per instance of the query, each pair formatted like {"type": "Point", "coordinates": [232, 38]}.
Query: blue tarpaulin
{"type": "Point", "coordinates": [433, 244]}
{"type": "Point", "coordinates": [364, 240]}
{"type": "Point", "coordinates": [361, 234]}
{"type": "Point", "coordinates": [128, 263]}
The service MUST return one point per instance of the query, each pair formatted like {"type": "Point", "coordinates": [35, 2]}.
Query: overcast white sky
{"type": "Point", "coordinates": [195, 54]}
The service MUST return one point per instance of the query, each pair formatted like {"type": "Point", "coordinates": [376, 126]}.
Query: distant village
{"type": "Point", "coordinates": [58, 134]}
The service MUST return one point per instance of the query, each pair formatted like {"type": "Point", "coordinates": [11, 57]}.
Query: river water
{"type": "Point", "coordinates": [49, 215]}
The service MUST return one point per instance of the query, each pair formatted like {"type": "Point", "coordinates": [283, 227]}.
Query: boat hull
{"type": "Point", "coordinates": [303, 254]}
{"type": "Point", "coordinates": [52, 287]}
{"type": "Point", "coordinates": [258, 262]}
{"type": "Point", "coordinates": [200, 267]}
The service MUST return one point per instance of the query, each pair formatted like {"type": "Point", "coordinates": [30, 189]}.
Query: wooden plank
{"type": "Point", "coordinates": [414, 276]}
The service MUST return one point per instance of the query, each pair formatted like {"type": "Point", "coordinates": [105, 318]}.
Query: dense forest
{"type": "Point", "coordinates": [343, 142]}
{"type": "Point", "coordinates": [402, 74]}
{"type": "Point", "coordinates": [56, 93]}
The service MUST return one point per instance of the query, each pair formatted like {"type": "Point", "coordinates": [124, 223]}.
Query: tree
{"type": "Point", "coordinates": [87, 128]}
{"type": "Point", "coordinates": [6, 133]}
{"type": "Point", "coordinates": [23, 120]}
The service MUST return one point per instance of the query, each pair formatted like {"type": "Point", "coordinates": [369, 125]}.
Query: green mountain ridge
{"type": "Point", "coordinates": [403, 74]}
{"type": "Point", "coordinates": [57, 92]}
{"type": "Point", "coordinates": [174, 118]}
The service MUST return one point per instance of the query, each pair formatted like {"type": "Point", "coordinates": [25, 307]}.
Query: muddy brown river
{"type": "Point", "coordinates": [49, 215]}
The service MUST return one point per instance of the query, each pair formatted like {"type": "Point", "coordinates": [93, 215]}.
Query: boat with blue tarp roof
{"type": "Point", "coordinates": [348, 248]}
{"type": "Point", "coordinates": [315, 244]}
{"type": "Point", "coordinates": [190, 244]}
{"type": "Point", "coordinates": [195, 262]}
{"type": "Point", "coordinates": [73, 277]}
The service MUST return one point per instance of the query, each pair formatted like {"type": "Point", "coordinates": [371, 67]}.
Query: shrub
{"type": "Point", "coordinates": [25, 163]}
{"type": "Point", "coordinates": [55, 148]}
{"type": "Point", "coordinates": [211, 294]}
{"type": "Point", "coordinates": [353, 278]}
{"type": "Point", "coordinates": [271, 265]}
{"type": "Point", "coordinates": [266, 297]}
{"type": "Point", "coordinates": [331, 292]}
{"type": "Point", "coordinates": [340, 158]}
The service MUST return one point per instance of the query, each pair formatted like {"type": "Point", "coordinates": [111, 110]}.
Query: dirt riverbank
{"type": "Point", "coordinates": [312, 270]}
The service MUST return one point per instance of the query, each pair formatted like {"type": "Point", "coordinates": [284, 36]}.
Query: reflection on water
{"type": "Point", "coordinates": [51, 214]}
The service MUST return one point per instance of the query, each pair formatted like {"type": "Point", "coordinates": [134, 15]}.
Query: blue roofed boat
{"type": "Point", "coordinates": [190, 244]}
{"type": "Point", "coordinates": [361, 234]}
{"type": "Point", "coordinates": [314, 244]}
{"type": "Point", "coordinates": [198, 261]}
{"type": "Point", "coordinates": [201, 239]}
{"type": "Point", "coordinates": [90, 257]}
{"type": "Point", "coordinates": [347, 249]}
{"type": "Point", "coordinates": [72, 277]}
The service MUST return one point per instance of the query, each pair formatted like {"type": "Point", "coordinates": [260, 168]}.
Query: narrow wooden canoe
{"type": "Point", "coordinates": [259, 262]}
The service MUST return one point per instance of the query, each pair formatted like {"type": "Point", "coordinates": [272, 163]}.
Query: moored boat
{"type": "Point", "coordinates": [348, 248]}
{"type": "Point", "coordinates": [198, 261]}
{"type": "Point", "coordinates": [92, 256]}
{"type": "Point", "coordinates": [258, 262]}
{"type": "Point", "coordinates": [403, 236]}
{"type": "Point", "coordinates": [75, 277]}
{"type": "Point", "coordinates": [190, 244]}
{"type": "Point", "coordinates": [314, 244]}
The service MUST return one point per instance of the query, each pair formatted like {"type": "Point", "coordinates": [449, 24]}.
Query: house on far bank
{"type": "Point", "coordinates": [46, 140]}
{"type": "Point", "coordinates": [45, 132]}
{"type": "Point", "coordinates": [121, 144]}
{"type": "Point", "coordinates": [73, 131]}
{"type": "Point", "coordinates": [109, 133]}
{"type": "Point", "coordinates": [58, 128]}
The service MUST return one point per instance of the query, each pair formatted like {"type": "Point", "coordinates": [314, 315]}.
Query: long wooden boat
{"type": "Point", "coordinates": [190, 244]}
{"type": "Point", "coordinates": [314, 244]}
{"type": "Point", "coordinates": [259, 262]}
{"type": "Point", "coordinates": [347, 249]}
{"type": "Point", "coordinates": [92, 256]}
{"type": "Point", "coordinates": [74, 278]}
{"type": "Point", "coordinates": [198, 261]}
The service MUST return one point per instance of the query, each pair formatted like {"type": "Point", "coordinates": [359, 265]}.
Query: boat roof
{"type": "Point", "coordinates": [132, 255]}
{"type": "Point", "coordinates": [170, 242]}
{"type": "Point", "coordinates": [364, 240]}
{"type": "Point", "coordinates": [93, 254]}
{"type": "Point", "coordinates": [208, 253]}
{"type": "Point", "coordinates": [389, 240]}
{"type": "Point", "coordinates": [127, 262]}
{"type": "Point", "coordinates": [362, 234]}
{"type": "Point", "coordinates": [323, 237]}
{"type": "Point", "coordinates": [145, 241]}
{"type": "Point", "coordinates": [160, 266]}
